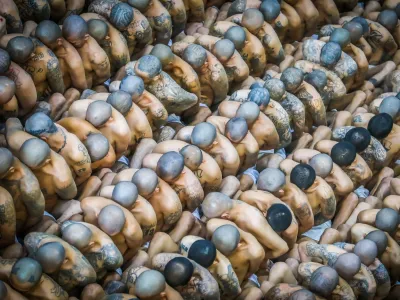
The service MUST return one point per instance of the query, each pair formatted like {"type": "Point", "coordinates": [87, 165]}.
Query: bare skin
{"type": "Point", "coordinates": [9, 11]}
{"type": "Point", "coordinates": [8, 226]}
{"type": "Point", "coordinates": [188, 224]}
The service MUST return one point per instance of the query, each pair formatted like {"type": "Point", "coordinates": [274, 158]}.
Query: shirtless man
{"type": "Point", "coordinates": [8, 101]}
{"type": "Point", "coordinates": [12, 18]}
{"type": "Point", "coordinates": [25, 90]}
{"type": "Point", "coordinates": [94, 58]}
{"type": "Point", "coordinates": [107, 119]}
{"type": "Point", "coordinates": [24, 188]}
{"type": "Point", "coordinates": [62, 142]}
{"type": "Point", "coordinates": [71, 65]}
{"type": "Point", "coordinates": [8, 226]}
{"type": "Point", "coordinates": [219, 205]}
{"type": "Point", "coordinates": [34, 57]}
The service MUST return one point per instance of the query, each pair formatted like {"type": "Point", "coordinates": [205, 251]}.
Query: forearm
{"type": "Point", "coordinates": [78, 77]}
{"type": "Point", "coordinates": [54, 77]}
{"type": "Point", "coordinates": [66, 192]}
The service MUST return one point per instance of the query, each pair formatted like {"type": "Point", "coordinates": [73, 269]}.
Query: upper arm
{"type": "Point", "coordinates": [54, 76]}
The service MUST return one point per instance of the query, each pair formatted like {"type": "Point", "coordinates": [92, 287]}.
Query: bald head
{"type": "Point", "coordinates": [380, 239]}
{"type": "Point", "coordinates": [215, 204]}
{"type": "Point", "coordinates": [391, 106]}
{"type": "Point", "coordinates": [146, 181]}
{"type": "Point", "coordinates": [302, 295]}
{"type": "Point", "coordinates": [39, 124]}
{"type": "Point", "coordinates": [140, 5]}
{"type": "Point", "coordinates": [260, 96]}
{"type": "Point", "coordinates": [276, 88]}
{"type": "Point", "coordinates": [97, 146]}
{"type": "Point", "coordinates": [359, 137]}
{"type": "Point", "coordinates": [317, 79]}
{"type": "Point", "coordinates": [237, 35]}
{"type": "Point", "coordinates": [292, 78]}
{"type": "Point", "coordinates": [48, 32]}
{"type": "Point", "coordinates": [347, 265]}
{"type": "Point", "coordinates": [340, 36]}
{"type": "Point", "coordinates": [7, 89]}
{"type": "Point", "coordinates": [195, 56]}
{"type": "Point", "coordinates": [236, 129]}
{"type": "Point", "coordinates": [380, 125]}
{"type": "Point", "coordinates": [279, 217]}
{"type": "Point", "coordinates": [343, 154]}
{"type": "Point", "coordinates": [388, 18]}
{"type": "Point", "coordinates": [270, 9]}
{"type": "Point", "coordinates": [5, 61]}
{"type": "Point", "coordinates": [98, 113]}
{"type": "Point", "coordinates": [178, 271]}
{"type": "Point", "coordinates": [366, 250]}
{"type": "Point", "coordinates": [25, 274]}
{"type": "Point", "coordinates": [148, 67]}
{"type": "Point", "coordinates": [202, 252]}
{"type": "Point", "coordinates": [75, 30]}
{"type": "Point", "coordinates": [323, 281]}
{"type": "Point", "coordinates": [330, 54]}
{"type": "Point", "coordinates": [111, 219]}
{"type": "Point", "coordinates": [163, 53]}
{"type": "Point", "coordinates": [149, 284]}
{"type": "Point", "coordinates": [226, 239]}
{"type": "Point", "coordinates": [125, 193]}
{"type": "Point", "coordinates": [121, 101]}
{"type": "Point", "coordinates": [20, 49]}
{"type": "Point", "coordinates": [363, 23]}
{"type": "Point", "coordinates": [355, 29]}
{"type": "Point", "coordinates": [34, 153]}
{"type": "Point", "coordinates": [203, 135]}
{"type": "Point", "coordinates": [252, 19]}
{"type": "Point", "coordinates": [77, 235]}
{"type": "Point", "coordinates": [133, 85]}
{"type": "Point", "coordinates": [223, 50]}
{"type": "Point", "coordinates": [322, 164]}
{"type": "Point", "coordinates": [387, 220]}
{"type": "Point", "coordinates": [248, 111]}
{"type": "Point", "coordinates": [303, 176]}
{"type": "Point", "coordinates": [271, 180]}
{"type": "Point", "coordinates": [50, 256]}
{"type": "Point", "coordinates": [6, 161]}
{"type": "Point", "coordinates": [98, 29]}
{"type": "Point", "coordinates": [193, 156]}
{"type": "Point", "coordinates": [170, 166]}
{"type": "Point", "coordinates": [121, 15]}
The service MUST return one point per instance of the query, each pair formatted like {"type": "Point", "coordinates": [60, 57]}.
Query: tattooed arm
{"type": "Point", "coordinates": [7, 219]}
{"type": "Point", "coordinates": [82, 167]}
{"type": "Point", "coordinates": [101, 67]}
{"type": "Point", "coordinates": [54, 76]}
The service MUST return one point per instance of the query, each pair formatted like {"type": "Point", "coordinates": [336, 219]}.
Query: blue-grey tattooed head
{"type": "Point", "coordinates": [276, 88]}
{"type": "Point", "coordinates": [270, 9]}
{"type": "Point", "coordinates": [223, 50]}
{"type": "Point", "coordinates": [77, 235]}
{"type": "Point", "coordinates": [34, 153]}
{"type": "Point", "coordinates": [25, 274]}
{"type": "Point", "coordinates": [75, 30]}
{"type": "Point", "coordinates": [121, 15]}
{"type": "Point", "coordinates": [317, 79]}
{"type": "Point", "coordinates": [330, 54]}
{"type": "Point", "coordinates": [363, 23]}
{"type": "Point", "coordinates": [388, 18]}
{"type": "Point", "coordinates": [237, 35]}
{"type": "Point", "coordinates": [203, 135]}
{"type": "Point", "coordinates": [98, 29]}
{"type": "Point", "coordinates": [140, 5]}
{"type": "Point", "coordinates": [149, 66]}
{"type": "Point", "coordinates": [39, 124]}
{"type": "Point", "coordinates": [195, 56]}
{"type": "Point", "coordinates": [163, 53]}
{"type": "Point", "coordinates": [170, 165]}
{"type": "Point", "coordinates": [236, 129]}
{"type": "Point", "coordinates": [260, 96]}
{"type": "Point", "coordinates": [7, 89]}
{"type": "Point", "coordinates": [149, 284]}
{"type": "Point", "coordinates": [20, 49]}
{"type": "Point", "coordinates": [340, 36]}
{"type": "Point", "coordinates": [48, 32]}
{"type": "Point", "coordinates": [292, 78]}
{"type": "Point", "coordinates": [5, 61]}
{"type": "Point", "coordinates": [50, 256]}
{"type": "Point", "coordinates": [252, 19]}
{"type": "Point", "coordinates": [6, 161]}
{"type": "Point", "coordinates": [133, 85]}
{"type": "Point", "coordinates": [121, 101]}
{"type": "Point", "coordinates": [355, 29]}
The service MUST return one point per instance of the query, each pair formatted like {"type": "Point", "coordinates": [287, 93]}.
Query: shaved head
{"type": "Point", "coordinates": [355, 29]}
{"type": "Point", "coordinates": [347, 265]}
{"type": "Point", "coordinates": [39, 124]}
{"type": "Point", "coordinates": [7, 89]}
{"type": "Point", "coordinates": [323, 281]}
{"type": "Point", "coordinates": [260, 96]}
{"type": "Point", "coordinates": [6, 161]}
{"type": "Point", "coordinates": [25, 274]}
{"type": "Point", "coordinates": [292, 78]}
{"type": "Point", "coordinates": [146, 181]}
{"type": "Point", "coordinates": [98, 113]}
{"type": "Point", "coordinates": [170, 166]}
{"type": "Point", "coordinates": [359, 137]}
{"type": "Point", "coordinates": [317, 79]}
{"type": "Point", "coordinates": [215, 204]}
{"type": "Point", "coordinates": [20, 49]}
{"type": "Point", "coordinates": [97, 146]}
{"type": "Point", "coordinates": [330, 54]}
{"type": "Point", "coordinates": [340, 36]}
{"type": "Point", "coordinates": [276, 88]}
{"type": "Point", "coordinates": [76, 234]}
{"type": "Point", "coordinates": [163, 53]}
{"type": "Point", "coordinates": [193, 156]}
{"type": "Point", "coordinates": [5, 61]}
{"type": "Point", "coordinates": [178, 271]}
{"type": "Point", "coordinates": [303, 176]}
{"type": "Point", "coordinates": [133, 85]}
{"type": "Point", "coordinates": [111, 219]}
{"type": "Point", "coordinates": [387, 220]}
{"type": "Point", "coordinates": [388, 18]}
{"type": "Point", "coordinates": [279, 217]}
{"type": "Point", "coordinates": [391, 106]}
{"type": "Point", "coordinates": [343, 154]}
{"type": "Point", "coordinates": [252, 19]}
{"type": "Point", "coordinates": [202, 252]}
{"type": "Point", "coordinates": [226, 239]}
{"type": "Point", "coordinates": [140, 5]}
{"type": "Point", "coordinates": [271, 180]}
{"type": "Point", "coordinates": [237, 35]}
{"type": "Point", "coordinates": [48, 32]}
{"type": "Point", "coordinates": [236, 129]}
{"type": "Point", "coordinates": [380, 125]}
{"type": "Point", "coordinates": [249, 111]}
{"type": "Point", "coordinates": [322, 164]}
{"type": "Point", "coordinates": [125, 193]}
{"type": "Point", "coordinates": [203, 135]}
{"type": "Point", "coordinates": [302, 295]}
{"type": "Point", "coordinates": [195, 56]}
{"type": "Point", "coordinates": [149, 284]}
{"type": "Point", "coordinates": [50, 256]}
{"type": "Point", "coordinates": [75, 30]}
{"type": "Point", "coordinates": [34, 152]}
{"type": "Point", "coordinates": [148, 66]}
{"type": "Point", "coordinates": [223, 50]}
{"type": "Point", "coordinates": [98, 29]}
{"type": "Point", "coordinates": [366, 250]}
{"type": "Point", "coordinates": [270, 9]}
{"type": "Point", "coordinates": [380, 239]}
{"type": "Point", "coordinates": [363, 23]}
{"type": "Point", "coordinates": [121, 101]}
{"type": "Point", "coordinates": [121, 15]}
